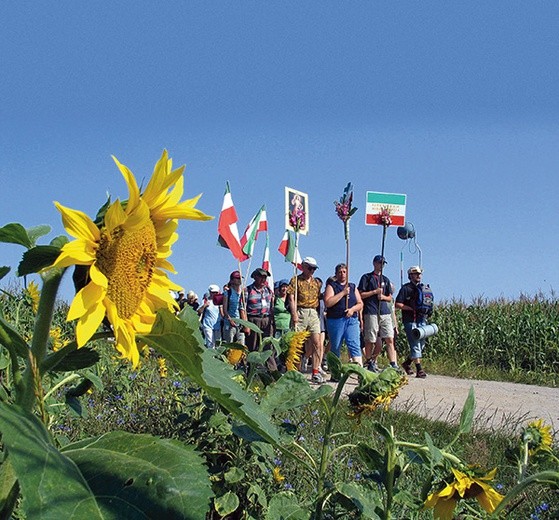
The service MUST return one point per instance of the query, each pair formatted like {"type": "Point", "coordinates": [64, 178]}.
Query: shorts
{"type": "Point", "coordinates": [371, 327]}
{"type": "Point", "coordinates": [308, 320]}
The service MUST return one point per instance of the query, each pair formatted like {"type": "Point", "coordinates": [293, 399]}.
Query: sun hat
{"type": "Point", "coordinates": [310, 261]}
{"type": "Point", "coordinates": [259, 272]}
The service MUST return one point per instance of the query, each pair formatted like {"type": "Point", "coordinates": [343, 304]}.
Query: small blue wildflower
{"type": "Point", "coordinates": [499, 486]}
{"type": "Point", "coordinates": [286, 421]}
{"type": "Point", "coordinates": [321, 439]}
{"type": "Point", "coordinates": [543, 506]}
{"type": "Point", "coordinates": [301, 438]}
{"type": "Point", "coordinates": [314, 412]}
{"type": "Point", "coordinates": [358, 476]}
{"type": "Point", "coordinates": [287, 485]}
{"type": "Point", "coordinates": [177, 384]}
{"type": "Point", "coordinates": [277, 462]}
{"type": "Point", "coordinates": [349, 463]}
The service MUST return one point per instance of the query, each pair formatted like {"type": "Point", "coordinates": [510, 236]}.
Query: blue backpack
{"type": "Point", "coordinates": [424, 304]}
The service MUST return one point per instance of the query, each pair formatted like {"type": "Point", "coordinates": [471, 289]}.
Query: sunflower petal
{"type": "Point", "coordinates": [78, 224]}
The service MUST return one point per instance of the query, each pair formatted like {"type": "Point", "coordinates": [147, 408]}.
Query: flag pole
{"type": "Point", "coordinates": [295, 264]}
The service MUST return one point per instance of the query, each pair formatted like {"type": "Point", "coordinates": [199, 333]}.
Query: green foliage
{"type": "Point", "coordinates": [515, 340]}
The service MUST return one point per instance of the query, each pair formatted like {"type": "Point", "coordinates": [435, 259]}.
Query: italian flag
{"type": "Point", "coordinates": [227, 227]}
{"type": "Point", "coordinates": [266, 263]}
{"type": "Point", "coordinates": [377, 202]}
{"type": "Point", "coordinates": [258, 223]}
{"type": "Point", "coordinates": [287, 248]}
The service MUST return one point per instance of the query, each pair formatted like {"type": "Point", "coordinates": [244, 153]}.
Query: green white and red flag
{"type": "Point", "coordinates": [258, 223]}
{"type": "Point", "coordinates": [266, 263]}
{"type": "Point", "coordinates": [288, 249]}
{"type": "Point", "coordinates": [227, 227]}
{"type": "Point", "coordinates": [383, 207]}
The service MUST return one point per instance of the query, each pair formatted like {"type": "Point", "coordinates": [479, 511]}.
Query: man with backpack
{"type": "Point", "coordinates": [415, 300]}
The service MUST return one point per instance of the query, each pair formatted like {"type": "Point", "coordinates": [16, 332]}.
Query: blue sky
{"type": "Point", "coordinates": [454, 105]}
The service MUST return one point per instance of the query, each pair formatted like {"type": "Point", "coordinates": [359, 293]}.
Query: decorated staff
{"type": "Point", "coordinates": [296, 219]}
{"type": "Point", "coordinates": [345, 212]}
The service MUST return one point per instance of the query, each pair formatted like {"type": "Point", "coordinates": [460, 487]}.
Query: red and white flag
{"type": "Point", "coordinates": [266, 263]}
{"type": "Point", "coordinates": [287, 248]}
{"type": "Point", "coordinates": [227, 227]}
{"type": "Point", "coordinates": [258, 223]}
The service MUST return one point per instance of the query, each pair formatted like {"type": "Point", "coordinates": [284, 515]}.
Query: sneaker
{"type": "Point", "coordinates": [421, 374]}
{"type": "Point", "coordinates": [324, 366]}
{"type": "Point", "coordinates": [322, 371]}
{"type": "Point", "coordinates": [406, 365]}
{"type": "Point", "coordinates": [304, 361]}
{"type": "Point", "coordinates": [317, 379]}
{"type": "Point", "coordinates": [372, 366]}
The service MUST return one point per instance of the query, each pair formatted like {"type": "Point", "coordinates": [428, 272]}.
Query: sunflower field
{"type": "Point", "coordinates": [111, 407]}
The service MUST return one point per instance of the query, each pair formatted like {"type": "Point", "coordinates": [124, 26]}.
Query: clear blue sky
{"type": "Point", "coordinates": [453, 103]}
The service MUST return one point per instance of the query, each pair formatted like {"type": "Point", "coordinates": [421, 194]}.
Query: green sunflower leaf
{"type": "Point", "coordinates": [290, 391]}
{"type": "Point", "coordinates": [37, 258]}
{"type": "Point", "coordinates": [36, 232]}
{"type": "Point", "coordinates": [181, 342]}
{"type": "Point", "coordinates": [4, 270]}
{"type": "Point", "coordinates": [42, 471]}
{"type": "Point", "coordinates": [12, 341]}
{"type": "Point", "coordinates": [15, 233]}
{"type": "Point", "coordinates": [140, 476]}
{"type": "Point", "coordinates": [285, 506]}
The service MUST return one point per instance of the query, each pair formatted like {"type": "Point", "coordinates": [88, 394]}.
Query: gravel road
{"type": "Point", "coordinates": [499, 406]}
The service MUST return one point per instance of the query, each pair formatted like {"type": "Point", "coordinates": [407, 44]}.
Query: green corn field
{"type": "Point", "coordinates": [518, 338]}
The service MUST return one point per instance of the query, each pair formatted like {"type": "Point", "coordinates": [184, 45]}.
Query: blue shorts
{"type": "Point", "coordinates": [347, 329]}
{"type": "Point", "coordinates": [416, 345]}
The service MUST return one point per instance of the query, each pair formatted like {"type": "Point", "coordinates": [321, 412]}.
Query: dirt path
{"type": "Point", "coordinates": [502, 406]}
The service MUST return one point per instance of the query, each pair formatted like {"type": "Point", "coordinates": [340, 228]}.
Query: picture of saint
{"type": "Point", "coordinates": [296, 211]}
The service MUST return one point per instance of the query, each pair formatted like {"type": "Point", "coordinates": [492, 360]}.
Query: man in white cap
{"type": "Point", "coordinates": [211, 317]}
{"type": "Point", "coordinates": [413, 315]}
{"type": "Point", "coordinates": [305, 308]}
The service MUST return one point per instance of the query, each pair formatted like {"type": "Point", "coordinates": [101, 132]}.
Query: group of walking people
{"type": "Point", "coordinates": [362, 317]}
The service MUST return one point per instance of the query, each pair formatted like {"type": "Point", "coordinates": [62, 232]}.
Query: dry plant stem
{"type": "Point", "coordinates": [41, 331]}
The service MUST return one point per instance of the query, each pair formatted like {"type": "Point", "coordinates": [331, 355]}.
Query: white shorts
{"type": "Point", "coordinates": [371, 327]}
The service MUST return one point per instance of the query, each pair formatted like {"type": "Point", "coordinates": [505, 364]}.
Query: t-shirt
{"type": "Point", "coordinates": [369, 282]}
{"type": "Point", "coordinates": [308, 292]}
{"type": "Point", "coordinates": [282, 317]}
{"type": "Point", "coordinates": [259, 301]}
{"type": "Point", "coordinates": [408, 296]}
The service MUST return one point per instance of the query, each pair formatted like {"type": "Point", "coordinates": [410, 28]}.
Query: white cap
{"type": "Point", "coordinates": [309, 260]}
{"type": "Point", "coordinates": [415, 269]}
{"type": "Point", "coordinates": [213, 288]}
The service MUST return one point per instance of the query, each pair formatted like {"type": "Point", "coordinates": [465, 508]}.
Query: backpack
{"type": "Point", "coordinates": [424, 303]}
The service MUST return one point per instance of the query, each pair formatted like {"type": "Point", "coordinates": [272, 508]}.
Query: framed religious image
{"type": "Point", "coordinates": [296, 211]}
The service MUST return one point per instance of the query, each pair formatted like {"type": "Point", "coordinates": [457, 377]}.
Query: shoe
{"type": "Point", "coordinates": [304, 361]}
{"type": "Point", "coordinates": [322, 371]}
{"type": "Point", "coordinates": [406, 365]}
{"type": "Point", "coordinates": [334, 380]}
{"type": "Point", "coordinates": [325, 367]}
{"type": "Point", "coordinates": [372, 366]}
{"type": "Point", "coordinates": [421, 374]}
{"type": "Point", "coordinates": [317, 379]}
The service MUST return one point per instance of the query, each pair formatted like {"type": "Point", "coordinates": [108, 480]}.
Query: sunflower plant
{"type": "Point", "coordinates": [121, 260]}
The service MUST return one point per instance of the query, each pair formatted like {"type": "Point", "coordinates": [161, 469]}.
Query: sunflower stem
{"type": "Point", "coordinates": [28, 398]}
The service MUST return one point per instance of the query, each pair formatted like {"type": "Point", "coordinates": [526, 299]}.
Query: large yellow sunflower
{"type": "Point", "coordinates": [464, 486]}
{"type": "Point", "coordinates": [127, 256]}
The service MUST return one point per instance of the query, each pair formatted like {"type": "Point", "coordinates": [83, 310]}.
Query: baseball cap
{"type": "Point", "coordinates": [415, 269]}
{"type": "Point", "coordinates": [213, 288]}
{"type": "Point", "coordinates": [284, 281]}
{"type": "Point", "coordinates": [235, 274]}
{"type": "Point", "coordinates": [378, 259]}
{"type": "Point", "coordinates": [310, 261]}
